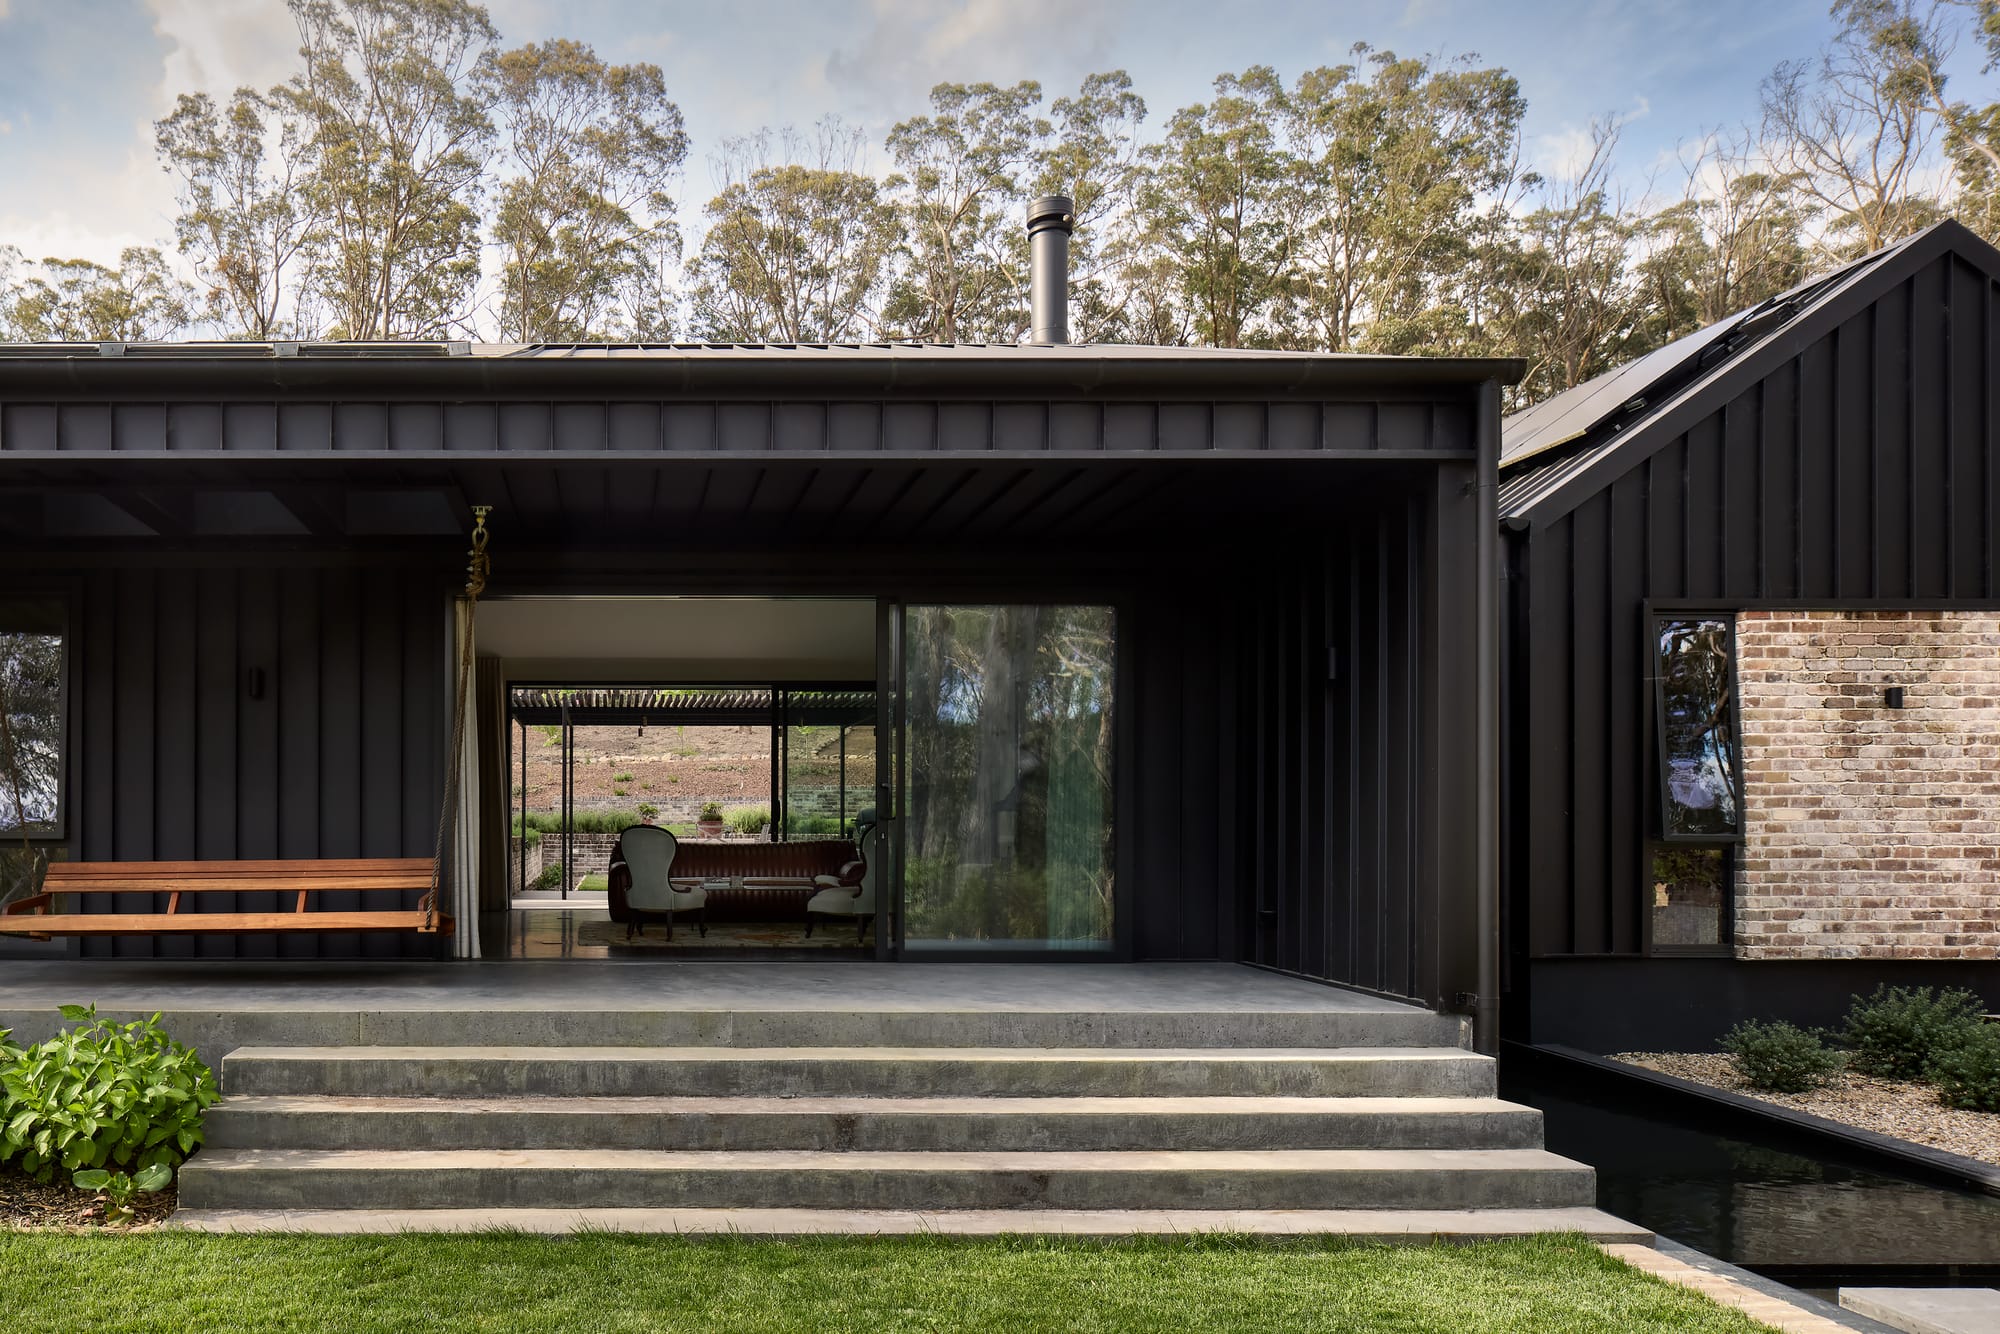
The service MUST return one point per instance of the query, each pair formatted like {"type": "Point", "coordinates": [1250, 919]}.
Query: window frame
{"type": "Point", "coordinates": [58, 832]}
{"type": "Point", "coordinates": [1654, 760]}
{"type": "Point", "coordinates": [1657, 760]}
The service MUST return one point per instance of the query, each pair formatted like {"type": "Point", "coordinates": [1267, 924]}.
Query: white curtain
{"type": "Point", "coordinates": [464, 885]}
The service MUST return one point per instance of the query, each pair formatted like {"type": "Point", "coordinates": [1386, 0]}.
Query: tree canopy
{"type": "Point", "coordinates": [414, 177]}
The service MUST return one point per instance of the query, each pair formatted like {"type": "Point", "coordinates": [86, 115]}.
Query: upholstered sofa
{"type": "Point", "coordinates": [777, 877]}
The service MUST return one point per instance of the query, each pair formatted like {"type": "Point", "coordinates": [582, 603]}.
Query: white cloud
{"type": "Point", "coordinates": [217, 46]}
{"type": "Point", "coordinates": [904, 50]}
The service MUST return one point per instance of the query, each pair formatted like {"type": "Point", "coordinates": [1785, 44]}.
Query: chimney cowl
{"type": "Point", "coordinates": [1051, 219]}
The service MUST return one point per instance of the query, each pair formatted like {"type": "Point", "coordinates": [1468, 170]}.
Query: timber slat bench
{"type": "Point", "coordinates": [36, 916]}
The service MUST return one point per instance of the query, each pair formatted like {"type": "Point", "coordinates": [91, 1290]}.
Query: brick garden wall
{"type": "Point", "coordinates": [1871, 832]}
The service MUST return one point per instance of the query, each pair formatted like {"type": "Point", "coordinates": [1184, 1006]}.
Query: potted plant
{"type": "Point", "coordinates": [710, 821]}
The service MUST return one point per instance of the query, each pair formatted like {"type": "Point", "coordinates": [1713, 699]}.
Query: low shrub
{"type": "Point", "coordinates": [123, 1101]}
{"type": "Point", "coordinates": [551, 877]}
{"type": "Point", "coordinates": [748, 819]}
{"type": "Point", "coordinates": [1967, 1073]}
{"type": "Point", "coordinates": [1781, 1057]}
{"type": "Point", "coordinates": [1898, 1032]}
{"type": "Point", "coordinates": [711, 810]}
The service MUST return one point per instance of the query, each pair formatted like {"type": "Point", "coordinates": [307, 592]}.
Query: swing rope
{"type": "Point", "coordinates": [476, 570]}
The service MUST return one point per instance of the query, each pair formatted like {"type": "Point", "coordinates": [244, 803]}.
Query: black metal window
{"type": "Point", "coordinates": [1699, 778]}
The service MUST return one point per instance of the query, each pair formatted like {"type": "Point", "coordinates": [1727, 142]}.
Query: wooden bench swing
{"type": "Point", "coordinates": [36, 918]}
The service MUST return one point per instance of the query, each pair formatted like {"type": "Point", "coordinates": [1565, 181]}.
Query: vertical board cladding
{"type": "Point", "coordinates": [1871, 832]}
{"type": "Point", "coordinates": [1857, 470]}
{"type": "Point", "coordinates": [1340, 816]}
{"type": "Point", "coordinates": [230, 712]}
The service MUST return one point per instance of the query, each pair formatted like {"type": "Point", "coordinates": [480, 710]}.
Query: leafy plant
{"type": "Point", "coordinates": [1897, 1033]}
{"type": "Point", "coordinates": [551, 877]}
{"type": "Point", "coordinates": [1968, 1072]}
{"type": "Point", "coordinates": [621, 778]}
{"type": "Point", "coordinates": [124, 1098]}
{"type": "Point", "coordinates": [1781, 1057]}
{"type": "Point", "coordinates": [749, 819]}
{"type": "Point", "coordinates": [711, 810]}
{"type": "Point", "coordinates": [648, 811]}
{"type": "Point", "coordinates": [619, 792]}
{"type": "Point", "coordinates": [120, 1187]}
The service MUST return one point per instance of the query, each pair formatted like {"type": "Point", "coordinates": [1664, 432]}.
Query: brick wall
{"type": "Point", "coordinates": [1870, 832]}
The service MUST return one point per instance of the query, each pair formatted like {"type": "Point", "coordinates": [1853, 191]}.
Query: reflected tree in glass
{"type": "Point", "coordinates": [1697, 728]}
{"type": "Point", "coordinates": [1009, 837]}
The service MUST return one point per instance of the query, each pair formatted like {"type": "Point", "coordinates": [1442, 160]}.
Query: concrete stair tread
{"type": "Point", "coordinates": [578, 1055]}
{"type": "Point", "coordinates": [852, 1105]}
{"type": "Point", "coordinates": [1380, 1224]}
{"type": "Point", "coordinates": [880, 1161]}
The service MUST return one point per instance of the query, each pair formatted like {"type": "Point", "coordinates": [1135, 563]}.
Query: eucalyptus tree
{"type": "Point", "coordinates": [1397, 165]}
{"type": "Point", "coordinates": [1854, 125]}
{"type": "Point", "coordinates": [583, 212]}
{"type": "Point", "coordinates": [1563, 299]}
{"type": "Point", "coordinates": [1092, 155]}
{"type": "Point", "coordinates": [958, 188]}
{"type": "Point", "coordinates": [396, 137]}
{"type": "Point", "coordinates": [1217, 194]}
{"type": "Point", "coordinates": [1734, 238]}
{"type": "Point", "coordinates": [795, 251]}
{"type": "Point", "coordinates": [242, 222]}
{"type": "Point", "coordinates": [80, 301]}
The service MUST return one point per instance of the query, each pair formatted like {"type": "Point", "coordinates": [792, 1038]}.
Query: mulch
{"type": "Point", "coordinates": [28, 1205]}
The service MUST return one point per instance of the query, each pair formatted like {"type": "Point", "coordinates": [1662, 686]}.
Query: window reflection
{"type": "Point", "coordinates": [1010, 797]}
{"type": "Point", "coordinates": [1698, 772]}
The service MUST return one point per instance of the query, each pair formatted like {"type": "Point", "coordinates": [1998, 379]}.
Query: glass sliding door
{"type": "Point", "coordinates": [1006, 841]}
{"type": "Point", "coordinates": [826, 761]}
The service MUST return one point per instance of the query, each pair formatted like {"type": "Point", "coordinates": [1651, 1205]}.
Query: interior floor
{"type": "Point", "coordinates": [580, 929]}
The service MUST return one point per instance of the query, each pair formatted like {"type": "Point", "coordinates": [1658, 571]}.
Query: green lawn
{"type": "Point", "coordinates": [595, 880]}
{"type": "Point", "coordinates": [603, 1284]}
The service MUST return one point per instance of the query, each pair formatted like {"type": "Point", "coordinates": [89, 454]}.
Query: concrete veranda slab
{"type": "Point", "coordinates": [598, 984]}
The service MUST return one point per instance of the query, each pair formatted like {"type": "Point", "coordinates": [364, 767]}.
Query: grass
{"type": "Point", "coordinates": [594, 881]}
{"type": "Point", "coordinates": [606, 1284]}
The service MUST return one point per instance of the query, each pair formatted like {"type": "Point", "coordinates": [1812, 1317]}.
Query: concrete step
{"type": "Point", "coordinates": [863, 1071]}
{"type": "Point", "coordinates": [660, 1023]}
{"type": "Point", "coordinates": [631, 1178]}
{"type": "Point", "coordinates": [1389, 1225]}
{"type": "Point", "coordinates": [841, 1124]}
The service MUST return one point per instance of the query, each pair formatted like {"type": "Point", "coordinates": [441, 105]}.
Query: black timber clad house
{"type": "Point", "coordinates": [254, 549]}
{"type": "Point", "coordinates": [1804, 496]}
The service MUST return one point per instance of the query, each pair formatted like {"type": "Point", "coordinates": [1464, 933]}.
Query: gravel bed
{"type": "Point", "coordinates": [26, 1204]}
{"type": "Point", "coordinates": [1905, 1111]}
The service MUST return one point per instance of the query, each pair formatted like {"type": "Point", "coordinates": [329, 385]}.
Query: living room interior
{"type": "Point", "coordinates": [685, 777]}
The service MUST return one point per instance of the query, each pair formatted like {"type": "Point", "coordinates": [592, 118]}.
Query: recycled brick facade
{"type": "Point", "coordinates": [1870, 832]}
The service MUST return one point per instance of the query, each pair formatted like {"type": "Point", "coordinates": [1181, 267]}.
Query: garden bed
{"type": "Point", "coordinates": [27, 1204]}
{"type": "Point", "coordinates": [1899, 1109]}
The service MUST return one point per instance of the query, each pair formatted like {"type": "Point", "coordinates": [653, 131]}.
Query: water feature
{"type": "Point", "coordinates": [1783, 1205]}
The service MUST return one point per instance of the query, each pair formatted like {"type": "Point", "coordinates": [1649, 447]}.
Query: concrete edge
{"type": "Point", "coordinates": [1763, 1300]}
{"type": "Point", "coordinates": [1930, 1162]}
{"type": "Point", "coordinates": [1389, 1226]}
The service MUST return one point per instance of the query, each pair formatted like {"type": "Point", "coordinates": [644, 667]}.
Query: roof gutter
{"type": "Point", "coordinates": [1067, 372]}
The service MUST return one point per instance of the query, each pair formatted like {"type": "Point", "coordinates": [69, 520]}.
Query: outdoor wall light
{"type": "Point", "coordinates": [1892, 698]}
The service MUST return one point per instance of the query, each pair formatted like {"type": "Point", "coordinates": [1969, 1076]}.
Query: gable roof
{"type": "Point", "coordinates": [1565, 449]}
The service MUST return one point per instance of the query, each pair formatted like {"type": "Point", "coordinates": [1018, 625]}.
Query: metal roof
{"type": "Point", "coordinates": [1558, 452]}
{"type": "Point", "coordinates": [761, 370]}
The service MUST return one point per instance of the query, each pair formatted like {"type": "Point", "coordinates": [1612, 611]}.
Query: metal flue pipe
{"type": "Point", "coordinates": [1051, 219]}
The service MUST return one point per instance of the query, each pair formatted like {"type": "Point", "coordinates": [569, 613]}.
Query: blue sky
{"type": "Point", "coordinates": [82, 80]}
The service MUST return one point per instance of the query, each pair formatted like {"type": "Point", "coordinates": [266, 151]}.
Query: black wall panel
{"type": "Point", "coordinates": [242, 712]}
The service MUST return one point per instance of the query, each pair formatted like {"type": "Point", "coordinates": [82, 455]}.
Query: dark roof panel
{"type": "Point", "coordinates": [1557, 453]}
